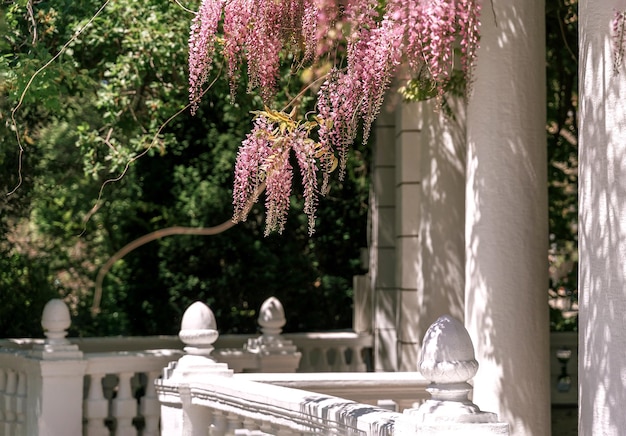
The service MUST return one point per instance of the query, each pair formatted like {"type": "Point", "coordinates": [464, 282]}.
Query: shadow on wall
{"type": "Point", "coordinates": [442, 212]}
{"type": "Point", "coordinates": [602, 234]}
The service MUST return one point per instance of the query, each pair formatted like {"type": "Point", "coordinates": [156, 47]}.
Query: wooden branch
{"type": "Point", "coordinates": [162, 233]}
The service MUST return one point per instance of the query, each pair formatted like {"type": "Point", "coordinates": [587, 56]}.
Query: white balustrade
{"type": "Point", "coordinates": [120, 393]}
{"type": "Point", "coordinates": [52, 388]}
{"type": "Point", "coordinates": [332, 351]}
{"type": "Point", "coordinates": [274, 409]}
{"type": "Point", "coordinates": [120, 398]}
{"type": "Point", "coordinates": [200, 396]}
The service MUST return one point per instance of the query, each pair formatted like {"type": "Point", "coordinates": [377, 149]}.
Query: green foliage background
{"type": "Point", "coordinates": [101, 103]}
{"type": "Point", "coordinates": [84, 117]}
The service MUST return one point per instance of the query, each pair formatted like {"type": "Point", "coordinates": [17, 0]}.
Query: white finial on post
{"type": "Point", "coordinates": [55, 320]}
{"type": "Point", "coordinates": [198, 332]}
{"type": "Point", "coordinates": [448, 362]}
{"type": "Point", "coordinates": [198, 329]}
{"type": "Point", "coordinates": [275, 354]}
{"type": "Point", "coordinates": [272, 317]}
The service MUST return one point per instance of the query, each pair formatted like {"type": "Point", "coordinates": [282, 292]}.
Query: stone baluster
{"type": "Point", "coordinates": [357, 364]}
{"type": "Point", "coordinates": [124, 406]}
{"type": "Point", "coordinates": [10, 390]}
{"type": "Point", "coordinates": [319, 359]}
{"type": "Point", "coordinates": [2, 405]}
{"type": "Point", "coordinates": [341, 359]}
{"type": "Point", "coordinates": [149, 406]}
{"type": "Point", "coordinates": [219, 425]}
{"type": "Point", "coordinates": [325, 360]}
{"type": "Point", "coordinates": [250, 424]}
{"type": "Point", "coordinates": [234, 423]}
{"type": "Point", "coordinates": [275, 354]}
{"type": "Point", "coordinates": [96, 408]}
{"type": "Point", "coordinates": [304, 360]}
{"type": "Point", "coordinates": [448, 362]}
{"type": "Point", "coordinates": [20, 403]}
{"type": "Point", "coordinates": [282, 431]}
{"type": "Point", "coordinates": [267, 428]}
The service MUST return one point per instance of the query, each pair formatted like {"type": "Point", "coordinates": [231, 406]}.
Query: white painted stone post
{"type": "Point", "coordinates": [602, 224]}
{"type": "Point", "coordinates": [430, 216]}
{"type": "Point", "coordinates": [55, 391]}
{"type": "Point", "coordinates": [506, 229]}
{"type": "Point", "coordinates": [274, 353]}
{"type": "Point", "coordinates": [447, 360]}
{"type": "Point", "coordinates": [382, 244]}
{"type": "Point", "coordinates": [198, 332]}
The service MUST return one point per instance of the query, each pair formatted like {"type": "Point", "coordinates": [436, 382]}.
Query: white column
{"type": "Point", "coordinates": [602, 225]}
{"type": "Point", "coordinates": [506, 233]}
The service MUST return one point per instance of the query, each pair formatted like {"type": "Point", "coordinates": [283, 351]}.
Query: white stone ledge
{"type": "Point", "coordinates": [295, 409]}
{"type": "Point", "coordinates": [365, 387]}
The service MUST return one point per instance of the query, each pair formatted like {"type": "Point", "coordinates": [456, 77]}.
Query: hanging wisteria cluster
{"type": "Point", "coordinates": [618, 39]}
{"type": "Point", "coordinates": [422, 34]}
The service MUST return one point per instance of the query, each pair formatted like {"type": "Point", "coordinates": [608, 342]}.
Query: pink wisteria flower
{"type": "Point", "coordinates": [202, 47]}
{"type": "Point", "coordinates": [369, 41]}
{"type": "Point", "coordinates": [279, 176]}
{"type": "Point", "coordinates": [249, 174]}
{"type": "Point", "coordinates": [264, 156]}
{"type": "Point", "coordinates": [618, 38]}
{"type": "Point", "coordinates": [468, 13]}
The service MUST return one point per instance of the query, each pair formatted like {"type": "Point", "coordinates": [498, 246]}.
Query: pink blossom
{"type": "Point", "coordinates": [264, 156]}
{"type": "Point", "coordinates": [237, 16]}
{"type": "Point", "coordinates": [278, 189]}
{"type": "Point", "coordinates": [618, 38]}
{"type": "Point", "coordinates": [304, 149]}
{"type": "Point", "coordinates": [263, 45]}
{"type": "Point", "coordinates": [251, 157]}
{"type": "Point", "coordinates": [338, 103]}
{"type": "Point", "coordinates": [261, 33]}
{"type": "Point", "coordinates": [201, 47]}
{"type": "Point", "coordinates": [468, 14]}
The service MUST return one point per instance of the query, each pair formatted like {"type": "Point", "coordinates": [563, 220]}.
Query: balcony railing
{"type": "Point", "coordinates": [200, 395]}
{"type": "Point", "coordinates": [104, 386]}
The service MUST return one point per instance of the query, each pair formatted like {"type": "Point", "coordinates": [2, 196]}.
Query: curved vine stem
{"type": "Point", "coordinates": [158, 234]}
{"type": "Point", "coordinates": [184, 8]}
{"type": "Point", "coordinates": [28, 85]}
{"type": "Point", "coordinates": [96, 206]}
{"type": "Point", "coordinates": [305, 89]}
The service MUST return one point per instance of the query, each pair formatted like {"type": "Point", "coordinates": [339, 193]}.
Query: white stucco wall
{"type": "Point", "coordinates": [430, 201]}
{"type": "Point", "coordinates": [417, 233]}
{"type": "Point", "coordinates": [602, 225]}
{"type": "Point", "coordinates": [506, 218]}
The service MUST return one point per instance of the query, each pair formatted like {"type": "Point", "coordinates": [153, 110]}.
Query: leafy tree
{"type": "Point", "coordinates": [112, 102]}
{"type": "Point", "coordinates": [562, 132]}
{"type": "Point", "coordinates": [106, 100]}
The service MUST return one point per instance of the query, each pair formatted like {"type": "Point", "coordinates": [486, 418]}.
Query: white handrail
{"type": "Point", "coordinates": [405, 389]}
{"type": "Point", "coordinates": [273, 408]}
